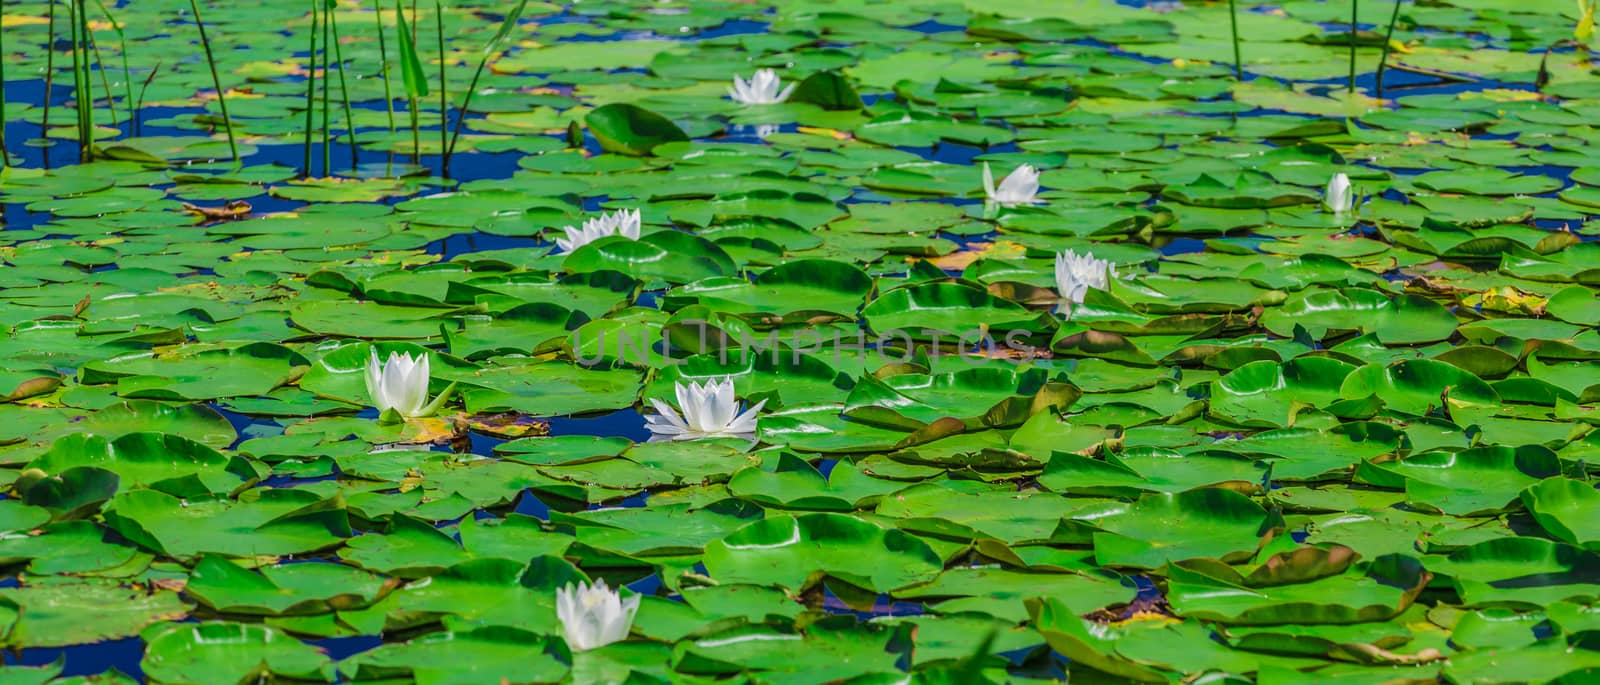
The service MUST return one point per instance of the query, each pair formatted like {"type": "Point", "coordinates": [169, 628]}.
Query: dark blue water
{"type": "Point", "coordinates": [123, 655]}
{"type": "Point", "coordinates": [621, 424]}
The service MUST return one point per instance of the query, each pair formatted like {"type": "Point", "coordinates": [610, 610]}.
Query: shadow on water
{"type": "Point", "coordinates": [883, 606]}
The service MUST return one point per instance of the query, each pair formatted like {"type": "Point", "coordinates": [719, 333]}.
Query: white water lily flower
{"type": "Point", "coordinates": [623, 222]}
{"type": "Point", "coordinates": [1076, 274]}
{"type": "Point", "coordinates": [594, 616]}
{"type": "Point", "coordinates": [401, 383]}
{"type": "Point", "coordinates": [1339, 197]}
{"type": "Point", "coordinates": [710, 410]}
{"type": "Point", "coordinates": [761, 89]}
{"type": "Point", "coordinates": [1017, 188]}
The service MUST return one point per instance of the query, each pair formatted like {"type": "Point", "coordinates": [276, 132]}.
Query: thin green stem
{"type": "Point", "coordinates": [1238, 62]}
{"type": "Point", "coordinates": [472, 87]}
{"type": "Point", "coordinates": [415, 80]}
{"type": "Point", "coordinates": [416, 133]}
{"type": "Point", "coordinates": [327, 126]}
{"type": "Point", "coordinates": [311, 89]}
{"type": "Point", "coordinates": [216, 80]}
{"type": "Point", "coordinates": [1354, 7]}
{"type": "Point", "coordinates": [127, 74]}
{"type": "Point", "coordinates": [383, 54]}
{"type": "Point", "coordinates": [489, 51]}
{"type": "Point", "coordinates": [84, 47]}
{"type": "Point", "coordinates": [82, 96]}
{"type": "Point", "coordinates": [139, 104]}
{"type": "Point", "coordinates": [77, 92]}
{"type": "Point", "coordinates": [344, 91]}
{"type": "Point", "coordinates": [49, 77]}
{"type": "Point", "coordinates": [444, 101]}
{"type": "Point", "coordinates": [1388, 36]}
{"type": "Point", "coordinates": [105, 82]}
{"type": "Point", "coordinates": [72, 38]}
{"type": "Point", "coordinates": [5, 155]}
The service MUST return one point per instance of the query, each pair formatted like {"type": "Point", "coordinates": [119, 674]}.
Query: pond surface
{"type": "Point", "coordinates": [1275, 371]}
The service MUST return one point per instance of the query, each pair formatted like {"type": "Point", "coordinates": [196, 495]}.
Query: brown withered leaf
{"type": "Point", "coordinates": [509, 425]}
{"type": "Point", "coordinates": [234, 210]}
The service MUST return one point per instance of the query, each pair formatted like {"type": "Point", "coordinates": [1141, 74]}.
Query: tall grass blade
{"type": "Point", "coordinates": [489, 50]}
{"type": "Point", "coordinates": [216, 80]}
{"type": "Point", "coordinates": [383, 54]}
{"type": "Point", "coordinates": [311, 88]}
{"type": "Point", "coordinates": [105, 82]}
{"type": "Point", "coordinates": [410, 67]}
{"type": "Point", "coordinates": [127, 74]}
{"type": "Point", "coordinates": [77, 86]}
{"type": "Point", "coordinates": [327, 124]}
{"type": "Point", "coordinates": [1233, 20]}
{"type": "Point", "coordinates": [411, 72]}
{"type": "Point", "coordinates": [444, 98]}
{"type": "Point", "coordinates": [5, 155]}
{"type": "Point", "coordinates": [49, 77]}
{"type": "Point", "coordinates": [82, 95]}
{"type": "Point", "coordinates": [139, 104]}
{"type": "Point", "coordinates": [1354, 6]}
{"type": "Point", "coordinates": [344, 88]}
{"type": "Point", "coordinates": [1388, 36]}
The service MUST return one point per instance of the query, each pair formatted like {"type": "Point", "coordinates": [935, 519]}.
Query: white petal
{"type": "Point", "coordinates": [1018, 187]}
{"type": "Point", "coordinates": [714, 411]}
{"type": "Point", "coordinates": [390, 382]}
{"type": "Point", "coordinates": [697, 407]}
{"type": "Point", "coordinates": [594, 616]}
{"type": "Point", "coordinates": [1021, 184]}
{"type": "Point", "coordinates": [746, 422]}
{"type": "Point", "coordinates": [665, 421]}
{"type": "Point", "coordinates": [416, 387]}
{"type": "Point", "coordinates": [374, 378]}
{"type": "Point", "coordinates": [1338, 197]}
{"type": "Point", "coordinates": [686, 394]}
{"type": "Point", "coordinates": [630, 224]}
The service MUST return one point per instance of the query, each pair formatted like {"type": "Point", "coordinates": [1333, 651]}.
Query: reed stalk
{"type": "Point", "coordinates": [139, 104]}
{"type": "Point", "coordinates": [383, 54]}
{"type": "Point", "coordinates": [216, 80]}
{"type": "Point", "coordinates": [416, 81]}
{"type": "Point", "coordinates": [82, 95]}
{"type": "Point", "coordinates": [49, 77]}
{"type": "Point", "coordinates": [444, 100]}
{"type": "Point", "coordinates": [1388, 36]}
{"type": "Point", "coordinates": [327, 125]}
{"type": "Point", "coordinates": [489, 50]}
{"type": "Point", "coordinates": [1354, 6]}
{"type": "Point", "coordinates": [105, 82]}
{"type": "Point", "coordinates": [5, 155]}
{"type": "Point", "coordinates": [127, 74]}
{"type": "Point", "coordinates": [344, 91]}
{"type": "Point", "coordinates": [311, 89]}
{"type": "Point", "coordinates": [1238, 62]}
